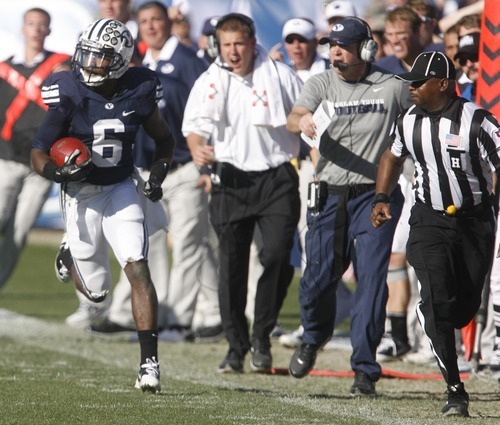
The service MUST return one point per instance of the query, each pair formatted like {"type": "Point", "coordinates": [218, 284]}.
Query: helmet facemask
{"type": "Point", "coordinates": [103, 52]}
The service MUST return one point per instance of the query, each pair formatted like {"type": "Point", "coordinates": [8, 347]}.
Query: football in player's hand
{"type": "Point", "coordinates": [62, 149]}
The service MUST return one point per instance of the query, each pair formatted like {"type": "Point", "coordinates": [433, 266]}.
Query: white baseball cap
{"type": "Point", "coordinates": [340, 9]}
{"type": "Point", "coordinates": [301, 27]}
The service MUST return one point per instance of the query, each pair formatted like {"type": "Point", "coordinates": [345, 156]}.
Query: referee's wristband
{"type": "Point", "coordinates": [381, 197]}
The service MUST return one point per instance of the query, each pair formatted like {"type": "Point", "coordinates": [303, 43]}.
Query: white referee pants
{"type": "Point", "coordinates": [22, 195]}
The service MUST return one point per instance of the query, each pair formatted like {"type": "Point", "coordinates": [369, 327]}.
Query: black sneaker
{"type": "Point", "coordinates": [303, 360]}
{"type": "Point", "coordinates": [63, 262]}
{"type": "Point", "coordinates": [262, 360]}
{"type": "Point", "coordinates": [231, 363]}
{"type": "Point", "coordinates": [108, 327]}
{"type": "Point", "coordinates": [458, 401]}
{"type": "Point", "coordinates": [209, 334]}
{"type": "Point", "coordinates": [363, 385]}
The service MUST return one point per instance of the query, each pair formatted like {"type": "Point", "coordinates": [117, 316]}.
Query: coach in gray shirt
{"type": "Point", "coordinates": [363, 102]}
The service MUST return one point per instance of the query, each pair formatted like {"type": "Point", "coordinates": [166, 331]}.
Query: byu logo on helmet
{"type": "Point", "coordinates": [103, 52]}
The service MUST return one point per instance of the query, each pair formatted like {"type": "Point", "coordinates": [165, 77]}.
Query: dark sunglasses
{"type": "Point", "coordinates": [463, 59]}
{"type": "Point", "coordinates": [291, 39]}
{"type": "Point", "coordinates": [417, 84]}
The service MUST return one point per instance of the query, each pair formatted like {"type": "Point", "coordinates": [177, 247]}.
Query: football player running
{"type": "Point", "coordinates": [104, 103]}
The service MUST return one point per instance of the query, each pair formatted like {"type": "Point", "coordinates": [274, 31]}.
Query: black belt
{"type": "Point", "coordinates": [475, 211]}
{"type": "Point", "coordinates": [351, 190]}
{"type": "Point", "coordinates": [346, 193]}
{"type": "Point", "coordinates": [235, 178]}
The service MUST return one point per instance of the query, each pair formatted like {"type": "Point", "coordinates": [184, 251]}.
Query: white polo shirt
{"type": "Point", "coordinates": [236, 140]}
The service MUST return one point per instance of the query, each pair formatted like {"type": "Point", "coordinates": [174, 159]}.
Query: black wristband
{"type": "Point", "coordinates": [159, 170]}
{"type": "Point", "coordinates": [49, 171]}
{"type": "Point", "coordinates": [381, 197]}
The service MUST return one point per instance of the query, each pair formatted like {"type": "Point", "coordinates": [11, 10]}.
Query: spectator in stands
{"type": "Point", "coordinates": [402, 33]}
{"type": "Point", "coordinates": [428, 14]}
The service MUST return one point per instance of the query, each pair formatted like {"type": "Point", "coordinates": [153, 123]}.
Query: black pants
{"type": "Point", "coordinates": [270, 200]}
{"type": "Point", "coordinates": [451, 257]}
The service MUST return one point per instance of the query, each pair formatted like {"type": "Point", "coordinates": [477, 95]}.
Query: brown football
{"type": "Point", "coordinates": [63, 148]}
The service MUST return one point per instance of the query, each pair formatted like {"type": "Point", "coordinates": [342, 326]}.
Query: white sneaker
{"type": "Point", "coordinates": [420, 357]}
{"type": "Point", "coordinates": [495, 359]}
{"type": "Point", "coordinates": [293, 339]}
{"type": "Point", "coordinates": [390, 349]}
{"type": "Point", "coordinates": [87, 313]}
{"type": "Point", "coordinates": [149, 376]}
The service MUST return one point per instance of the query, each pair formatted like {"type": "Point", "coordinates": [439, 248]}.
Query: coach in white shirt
{"type": "Point", "coordinates": [235, 123]}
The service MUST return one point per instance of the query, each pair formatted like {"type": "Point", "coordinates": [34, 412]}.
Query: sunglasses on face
{"type": "Point", "coordinates": [463, 60]}
{"type": "Point", "coordinates": [417, 84]}
{"type": "Point", "coordinates": [291, 39]}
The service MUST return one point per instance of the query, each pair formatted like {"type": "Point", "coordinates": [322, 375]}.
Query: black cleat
{"type": "Point", "coordinates": [458, 401]}
{"type": "Point", "coordinates": [363, 385]}
{"type": "Point", "coordinates": [262, 361]}
{"type": "Point", "coordinates": [303, 360]}
{"type": "Point", "coordinates": [231, 363]}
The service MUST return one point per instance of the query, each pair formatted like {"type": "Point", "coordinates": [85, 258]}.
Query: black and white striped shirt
{"type": "Point", "coordinates": [455, 153]}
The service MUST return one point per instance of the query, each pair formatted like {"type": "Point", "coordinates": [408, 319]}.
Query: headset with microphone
{"type": "Point", "coordinates": [213, 42]}
{"type": "Point", "coordinates": [343, 66]}
{"type": "Point", "coordinates": [367, 51]}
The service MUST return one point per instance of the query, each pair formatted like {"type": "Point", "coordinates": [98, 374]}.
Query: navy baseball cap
{"type": "Point", "coordinates": [347, 31]}
{"type": "Point", "coordinates": [429, 65]}
{"type": "Point", "coordinates": [209, 25]}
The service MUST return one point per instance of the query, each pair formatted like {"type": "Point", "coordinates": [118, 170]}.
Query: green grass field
{"type": "Point", "coordinates": [52, 374]}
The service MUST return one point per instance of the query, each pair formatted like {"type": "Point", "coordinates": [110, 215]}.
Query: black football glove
{"type": "Point", "coordinates": [153, 190]}
{"type": "Point", "coordinates": [72, 172]}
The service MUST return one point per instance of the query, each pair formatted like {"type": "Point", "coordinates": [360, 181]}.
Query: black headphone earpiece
{"type": "Point", "coordinates": [213, 42]}
{"type": "Point", "coordinates": [368, 48]}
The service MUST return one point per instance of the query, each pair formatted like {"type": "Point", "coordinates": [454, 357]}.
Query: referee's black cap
{"type": "Point", "coordinates": [430, 65]}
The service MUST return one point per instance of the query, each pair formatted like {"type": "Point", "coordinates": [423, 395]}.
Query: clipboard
{"type": "Point", "coordinates": [322, 118]}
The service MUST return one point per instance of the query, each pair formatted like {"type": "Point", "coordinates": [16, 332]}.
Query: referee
{"type": "Point", "coordinates": [455, 147]}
